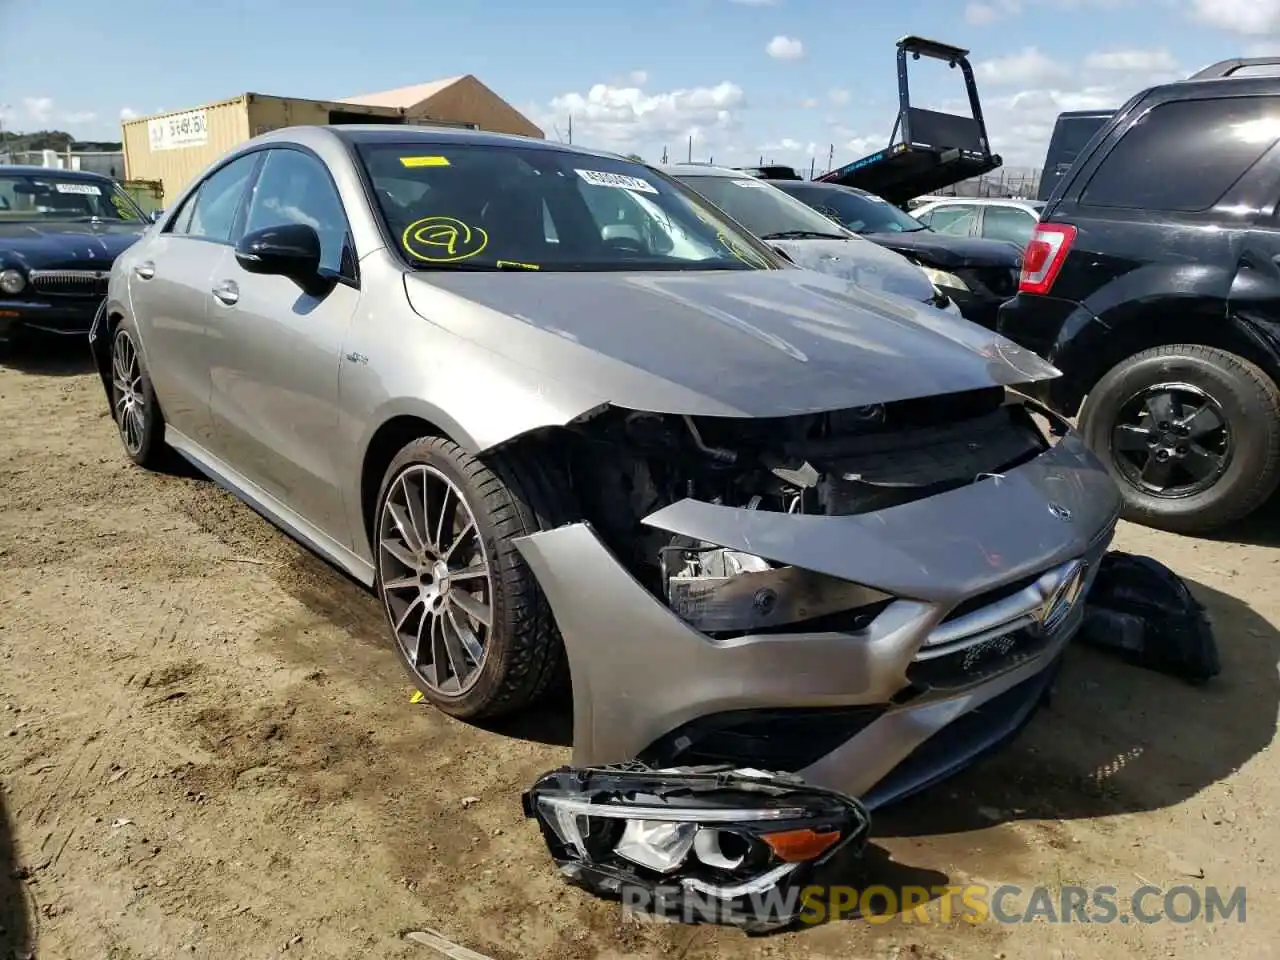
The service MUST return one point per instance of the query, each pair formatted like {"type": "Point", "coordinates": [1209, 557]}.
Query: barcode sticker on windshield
{"type": "Point", "coordinates": [84, 189]}
{"type": "Point", "coordinates": [599, 178]}
{"type": "Point", "coordinates": [751, 183]}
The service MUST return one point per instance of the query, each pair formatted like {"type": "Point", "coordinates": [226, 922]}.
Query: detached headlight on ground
{"type": "Point", "coordinates": [941, 278]}
{"type": "Point", "coordinates": [12, 281]}
{"type": "Point", "coordinates": [701, 841]}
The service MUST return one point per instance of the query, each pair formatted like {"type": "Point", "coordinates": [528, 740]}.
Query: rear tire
{"type": "Point", "coordinates": [1151, 420]}
{"type": "Point", "coordinates": [133, 402]}
{"type": "Point", "coordinates": [435, 599]}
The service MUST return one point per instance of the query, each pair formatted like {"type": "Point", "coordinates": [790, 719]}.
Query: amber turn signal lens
{"type": "Point", "coordinates": [797, 846]}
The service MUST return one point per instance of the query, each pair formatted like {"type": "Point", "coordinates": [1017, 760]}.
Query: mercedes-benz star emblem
{"type": "Point", "coordinates": [1059, 511]}
{"type": "Point", "coordinates": [1063, 600]}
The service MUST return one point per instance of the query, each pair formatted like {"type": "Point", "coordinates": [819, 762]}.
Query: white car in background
{"type": "Point", "coordinates": [991, 218]}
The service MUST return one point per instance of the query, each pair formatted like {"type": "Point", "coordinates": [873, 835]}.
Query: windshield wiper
{"type": "Point", "coordinates": [801, 235]}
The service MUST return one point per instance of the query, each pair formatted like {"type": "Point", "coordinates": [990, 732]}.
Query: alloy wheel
{"type": "Point", "coordinates": [128, 397]}
{"type": "Point", "coordinates": [436, 579]}
{"type": "Point", "coordinates": [1171, 440]}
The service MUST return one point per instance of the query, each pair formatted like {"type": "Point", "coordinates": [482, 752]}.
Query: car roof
{"type": "Point", "coordinates": [368, 133]}
{"type": "Point", "coordinates": [707, 170]}
{"type": "Point", "coordinates": [33, 170]}
{"type": "Point", "coordinates": [989, 201]}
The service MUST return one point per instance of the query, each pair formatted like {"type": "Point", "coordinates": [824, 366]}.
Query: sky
{"type": "Point", "coordinates": [789, 81]}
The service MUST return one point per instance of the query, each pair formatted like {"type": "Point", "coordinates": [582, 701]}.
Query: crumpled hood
{"type": "Point", "coordinates": [742, 343]}
{"type": "Point", "coordinates": [81, 246]}
{"type": "Point", "coordinates": [866, 264]}
{"type": "Point", "coordinates": [939, 250]}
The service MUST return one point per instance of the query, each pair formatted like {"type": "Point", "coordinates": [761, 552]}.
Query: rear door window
{"type": "Point", "coordinates": [955, 219]}
{"type": "Point", "coordinates": [1007, 223]}
{"type": "Point", "coordinates": [1183, 157]}
{"type": "Point", "coordinates": [215, 207]}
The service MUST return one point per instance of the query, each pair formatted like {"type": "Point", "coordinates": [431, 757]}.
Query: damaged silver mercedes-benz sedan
{"type": "Point", "coordinates": [567, 419]}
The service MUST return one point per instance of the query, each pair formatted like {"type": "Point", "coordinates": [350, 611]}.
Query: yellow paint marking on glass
{"type": "Point", "coordinates": [518, 264]}
{"type": "Point", "coordinates": [424, 161]}
{"type": "Point", "coordinates": [443, 240]}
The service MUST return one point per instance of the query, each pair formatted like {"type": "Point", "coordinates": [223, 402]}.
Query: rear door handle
{"type": "Point", "coordinates": [227, 292]}
{"type": "Point", "coordinates": [145, 271]}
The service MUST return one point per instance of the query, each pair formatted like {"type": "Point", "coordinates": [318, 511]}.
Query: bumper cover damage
{"type": "Point", "coordinates": [696, 844]}
{"type": "Point", "coordinates": [959, 586]}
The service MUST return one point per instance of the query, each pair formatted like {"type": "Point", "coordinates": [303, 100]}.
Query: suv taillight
{"type": "Point", "coordinates": [1044, 256]}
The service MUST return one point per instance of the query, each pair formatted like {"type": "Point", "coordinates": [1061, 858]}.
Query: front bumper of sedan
{"type": "Point", "coordinates": [987, 585]}
{"type": "Point", "coordinates": [70, 319]}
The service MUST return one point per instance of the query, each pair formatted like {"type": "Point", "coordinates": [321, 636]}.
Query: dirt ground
{"type": "Point", "coordinates": [207, 749]}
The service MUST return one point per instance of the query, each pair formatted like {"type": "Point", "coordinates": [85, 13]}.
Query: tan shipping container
{"type": "Point", "coordinates": [175, 147]}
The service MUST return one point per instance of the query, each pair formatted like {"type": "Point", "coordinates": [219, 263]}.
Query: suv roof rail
{"type": "Point", "coordinates": [1225, 68]}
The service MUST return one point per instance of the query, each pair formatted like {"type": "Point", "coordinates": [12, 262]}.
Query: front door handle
{"type": "Point", "coordinates": [145, 271]}
{"type": "Point", "coordinates": [227, 292]}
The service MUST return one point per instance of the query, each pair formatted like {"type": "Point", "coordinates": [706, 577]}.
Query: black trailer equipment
{"type": "Point", "coordinates": [935, 150]}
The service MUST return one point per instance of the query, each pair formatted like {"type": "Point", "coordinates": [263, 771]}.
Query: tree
{"type": "Point", "coordinates": [636, 157]}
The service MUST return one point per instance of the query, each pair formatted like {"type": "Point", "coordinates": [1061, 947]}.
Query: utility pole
{"type": "Point", "coordinates": [691, 148]}
{"type": "Point", "coordinates": [571, 129]}
{"type": "Point", "coordinates": [664, 156]}
{"type": "Point", "coordinates": [812, 161]}
{"type": "Point", "coordinates": [831, 158]}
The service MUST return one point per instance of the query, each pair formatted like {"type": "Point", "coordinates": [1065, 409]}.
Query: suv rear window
{"type": "Point", "coordinates": [1184, 156]}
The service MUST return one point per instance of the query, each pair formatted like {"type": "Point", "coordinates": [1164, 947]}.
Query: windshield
{"type": "Point", "coordinates": [860, 212]}
{"type": "Point", "coordinates": [764, 209]}
{"type": "Point", "coordinates": [39, 196]}
{"type": "Point", "coordinates": [473, 206]}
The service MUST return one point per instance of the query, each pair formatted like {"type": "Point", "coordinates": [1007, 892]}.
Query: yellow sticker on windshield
{"type": "Point", "coordinates": [443, 240]}
{"type": "Point", "coordinates": [518, 265]}
{"type": "Point", "coordinates": [424, 161]}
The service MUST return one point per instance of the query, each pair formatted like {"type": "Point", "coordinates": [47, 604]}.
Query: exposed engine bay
{"type": "Point", "coordinates": [625, 465]}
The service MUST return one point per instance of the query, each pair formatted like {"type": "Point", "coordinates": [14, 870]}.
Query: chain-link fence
{"type": "Point", "coordinates": [1021, 184]}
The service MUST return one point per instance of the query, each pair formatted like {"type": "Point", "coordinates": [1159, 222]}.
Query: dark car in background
{"type": "Point", "coordinates": [1153, 284]}
{"type": "Point", "coordinates": [806, 237]}
{"type": "Point", "coordinates": [60, 232]}
{"type": "Point", "coordinates": [978, 275]}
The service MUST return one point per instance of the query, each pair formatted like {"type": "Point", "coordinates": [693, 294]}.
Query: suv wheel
{"type": "Point", "coordinates": [1190, 433]}
{"type": "Point", "coordinates": [467, 615]}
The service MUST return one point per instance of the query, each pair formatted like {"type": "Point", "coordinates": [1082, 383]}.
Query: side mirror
{"type": "Point", "coordinates": [156, 215]}
{"type": "Point", "coordinates": [289, 250]}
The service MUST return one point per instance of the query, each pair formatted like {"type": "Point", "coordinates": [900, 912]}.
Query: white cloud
{"type": "Point", "coordinates": [809, 103]}
{"type": "Point", "coordinates": [981, 14]}
{"type": "Point", "coordinates": [39, 109]}
{"type": "Point", "coordinates": [128, 113]}
{"type": "Point", "coordinates": [839, 97]}
{"type": "Point", "coordinates": [79, 117]}
{"type": "Point", "coordinates": [1132, 61]}
{"type": "Point", "coordinates": [1250, 18]}
{"type": "Point", "coordinates": [1027, 68]}
{"type": "Point", "coordinates": [625, 119]}
{"type": "Point", "coordinates": [639, 77]}
{"type": "Point", "coordinates": [785, 48]}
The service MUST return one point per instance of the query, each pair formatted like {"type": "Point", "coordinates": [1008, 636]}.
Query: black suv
{"type": "Point", "coordinates": [1153, 283]}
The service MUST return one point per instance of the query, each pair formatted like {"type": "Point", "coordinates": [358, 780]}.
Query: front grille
{"type": "Point", "coordinates": [70, 283]}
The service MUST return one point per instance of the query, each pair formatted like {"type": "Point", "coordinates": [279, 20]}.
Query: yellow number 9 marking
{"type": "Point", "coordinates": [443, 240]}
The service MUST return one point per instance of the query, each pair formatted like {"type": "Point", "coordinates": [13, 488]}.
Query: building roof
{"type": "Point", "coordinates": [405, 97]}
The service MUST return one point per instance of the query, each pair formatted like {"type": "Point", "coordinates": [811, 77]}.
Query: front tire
{"type": "Point", "coordinates": [466, 614]}
{"type": "Point", "coordinates": [133, 402]}
{"type": "Point", "coordinates": [1190, 433]}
